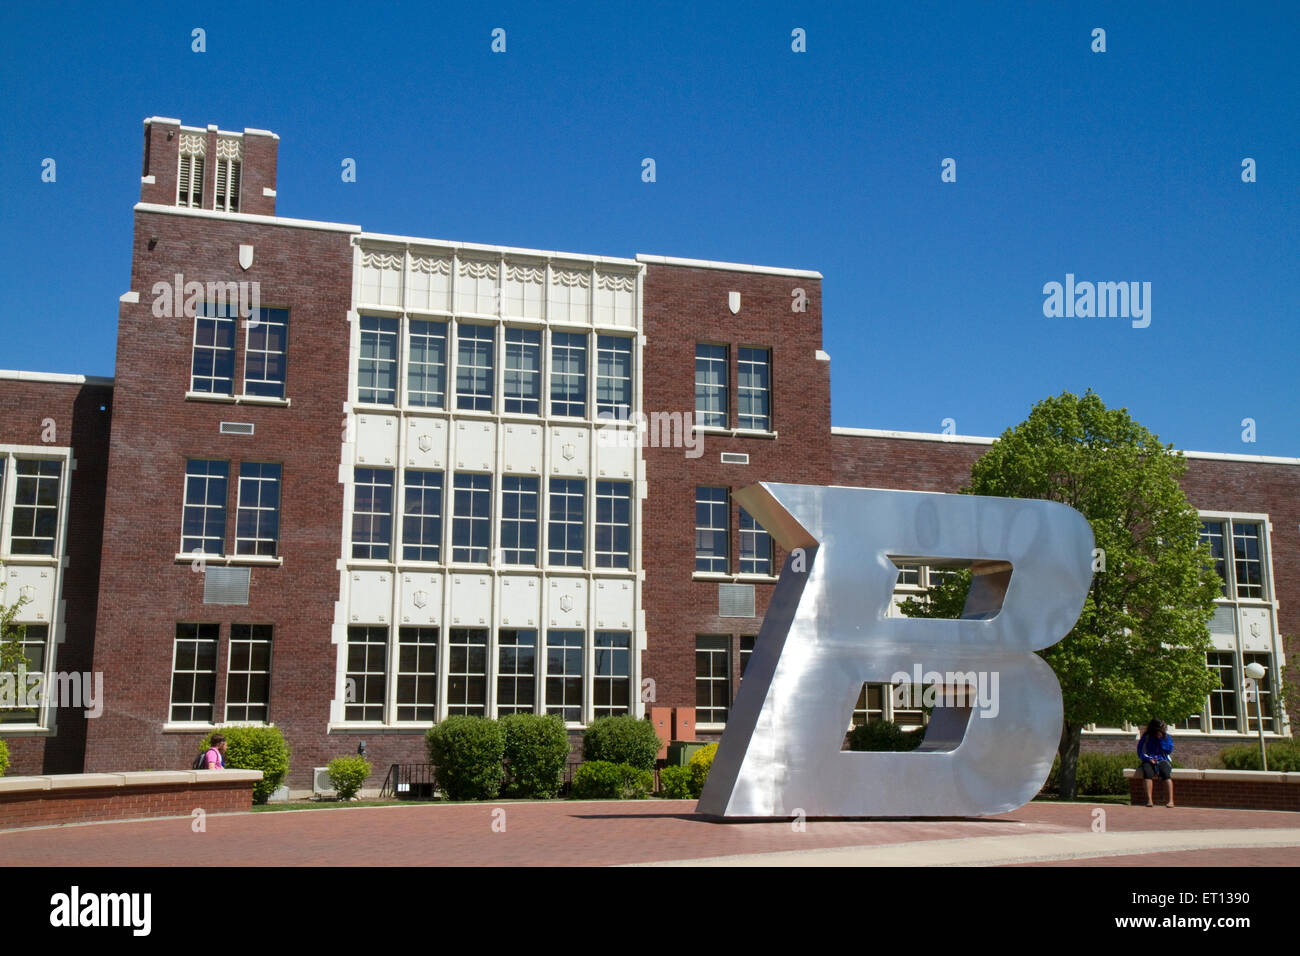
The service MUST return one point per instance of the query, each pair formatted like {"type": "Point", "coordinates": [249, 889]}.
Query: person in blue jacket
{"type": "Point", "coordinates": [1154, 748]}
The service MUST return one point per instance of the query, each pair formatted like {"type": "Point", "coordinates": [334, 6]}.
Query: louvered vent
{"type": "Point", "coordinates": [735, 600]}
{"type": "Point", "coordinates": [735, 458]}
{"type": "Point", "coordinates": [1224, 622]}
{"type": "Point", "coordinates": [225, 585]}
{"type": "Point", "coordinates": [236, 428]}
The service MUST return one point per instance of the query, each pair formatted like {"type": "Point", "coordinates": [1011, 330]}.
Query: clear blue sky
{"type": "Point", "coordinates": [1115, 166]}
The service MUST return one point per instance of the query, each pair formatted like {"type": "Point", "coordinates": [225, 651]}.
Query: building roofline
{"type": "Point", "coordinates": [507, 250]}
{"type": "Point", "coordinates": [726, 266]}
{"type": "Point", "coordinates": [246, 217]}
{"type": "Point", "coordinates": [980, 440]}
{"type": "Point", "coordinates": [63, 378]}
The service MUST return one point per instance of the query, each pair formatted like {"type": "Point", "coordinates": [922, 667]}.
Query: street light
{"type": "Point", "coordinates": [1256, 672]}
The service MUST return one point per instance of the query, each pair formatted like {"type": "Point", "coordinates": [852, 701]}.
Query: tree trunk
{"type": "Point", "coordinates": [1067, 776]}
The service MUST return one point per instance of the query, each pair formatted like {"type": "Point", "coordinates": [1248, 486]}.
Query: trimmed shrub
{"type": "Point", "coordinates": [536, 750]}
{"type": "Point", "coordinates": [675, 783]}
{"type": "Point", "coordinates": [602, 780]}
{"type": "Point", "coordinates": [4, 758]}
{"type": "Point", "coordinates": [1283, 755]}
{"type": "Point", "coordinates": [256, 748]}
{"type": "Point", "coordinates": [622, 740]}
{"type": "Point", "coordinates": [880, 735]}
{"type": "Point", "coordinates": [466, 754]}
{"type": "Point", "coordinates": [701, 763]}
{"type": "Point", "coordinates": [1098, 774]}
{"type": "Point", "coordinates": [347, 774]}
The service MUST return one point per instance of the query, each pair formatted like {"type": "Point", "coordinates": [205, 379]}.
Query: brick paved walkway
{"type": "Point", "coordinates": [598, 833]}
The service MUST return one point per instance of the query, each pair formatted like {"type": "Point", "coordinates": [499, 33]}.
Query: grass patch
{"type": "Point", "coordinates": [1118, 798]}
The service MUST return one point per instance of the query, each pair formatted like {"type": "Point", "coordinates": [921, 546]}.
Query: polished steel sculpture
{"type": "Point", "coordinates": [826, 633]}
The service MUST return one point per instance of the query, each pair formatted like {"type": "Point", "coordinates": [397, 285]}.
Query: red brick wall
{"type": "Point", "coordinates": [258, 172]}
{"type": "Point", "coordinates": [1225, 794]}
{"type": "Point", "coordinates": [683, 306]}
{"type": "Point", "coordinates": [52, 807]}
{"type": "Point", "coordinates": [79, 422]}
{"type": "Point", "coordinates": [257, 169]}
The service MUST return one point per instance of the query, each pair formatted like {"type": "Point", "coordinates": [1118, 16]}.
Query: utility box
{"type": "Point", "coordinates": [680, 752]}
{"type": "Point", "coordinates": [683, 723]}
{"type": "Point", "coordinates": [662, 718]}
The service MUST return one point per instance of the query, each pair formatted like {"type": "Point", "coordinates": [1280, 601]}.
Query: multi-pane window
{"type": "Point", "coordinates": [213, 369]}
{"type": "Point", "coordinates": [754, 388]}
{"type": "Point", "coordinates": [564, 674]}
{"type": "Point", "coordinates": [372, 513]}
{"type": "Point", "coordinates": [367, 673]}
{"type": "Point", "coordinates": [265, 348]}
{"type": "Point", "coordinates": [711, 529]}
{"type": "Point", "coordinates": [377, 364]}
{"type": "Point", "coordinates": [257, 524]}
{"type": "Point", "coordinates": [467, 671]}
{"type": "Point", "coordinates": [613, 377]}
{"type": "Point", "coordinates": [565, 542]}
{"type": "Point", "coordinates": [1212, 534]}
{"type": "Point", "coordinates": [746, 651]}
{"type": "Point", "coordinates": [870, 705]}
{"type": "Point", "coordinates": [569, 374]}
{"type": "Point", "coordinates": [471, 525]}
{"type": "Point", "coordinates": [426, 372]}
{"type": "Point", "coordinates": [203, 524]}
{"type": "Point", "coordinates": [611, 683]}
{"type": "Point", "coordinates": [1264, 690]}
{"type": "Point", "coordinates": [189, 180]}
{"type": "Point", "coordinates": [909, 575]}
{"type": "Point", "coordinates": [613, 524]}
{"type": "Point", "coordinates": [248, 674]}
{"type": "Point", "coordinates": [422, 516]}
{"type": "Point", "coordinates": [474, 367]}
{"type": "Point", "coordinates": [417, 673]}
{"type": "Point", "coordinates": [1223, 699]}
{"type": "Point", "coordinates": [1246, 560]}
{"type": "Point", "coordinates": [516, 671]}
{"type": "Point", "coordinates": [711, 385]}
{"type": "Point", "coordinates": [523, 384]}
{"type": "Point", "coordinates": [755, 546]}
{"type": "Point", "coordinates": [194, 672]}
{"type": "Point", "coordinates": [712, 679]}
{"type": "Point", "coordinates": [36, 506]}
{"type": "Point", "coordinates": [226, 197]}
{"type": "Point", "coordinates": [32, 645]}
{"type": "Point", "coordinates": [519, 494]}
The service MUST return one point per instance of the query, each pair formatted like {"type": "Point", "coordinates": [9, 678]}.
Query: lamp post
{"type": "Point", "coordinates": [1256, 672]}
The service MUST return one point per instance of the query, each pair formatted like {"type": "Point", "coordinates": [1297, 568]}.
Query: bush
{"type": "Point", "coordinates": [1283, 755]}
{"type": "Point", "coordinates": [701, 763]}
{"type": "Point", "coordinates": [347, 774]}
{"type": "Point", "coordinates": [256, 748]}
{"type": "Point", "coordinates": [602, 780]}
{"type": "Point", "coordinates": [880, 735]}
{"type": "Point", "coordinates": [536, 750]}
{"type": "Point", "coordinates": [622, 740]}
{"type": "Point", "coordinates": [675, 783]}
{"type": "Point", "coordinates": [4, 758]}
{"type": "Point", "coordinates": [1098, 774]}
{"type": "Point", "coordinates": [466, 754]}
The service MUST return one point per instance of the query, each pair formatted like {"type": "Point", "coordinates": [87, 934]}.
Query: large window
{"type": "Point", "coordinates": [564, 674]}
{"type": "Point", "coordinates": [377, 364]}
{"type": "Point", "coordinates": [613, 524]}
{"type": "Point", "coordinates": [565, 535]}
{"type": "Point", "coordinates": [35, 522]}
{"type": "Point", "coordinates": [372, 513]}
{"type": "Point", "coordinates": [213, 369]}
{"type": "Point", "coordinates": [523, 385]}
{"type": "Point", "coordinates": [611, 684]}
{"type": "Point", "coordinates": [265, 348]}
{"type": "Point", "coordinates": [754, 388]}
{"type": "Point", "coordinates": [426, 372]}
{"type": "Point", "coordinates": [471, 528]}
{"type": "Point", "coordinates": [417, 673]}
{"type": "Point", "coordinates": [367, 673]}
{"type": "Point", "coordinates": [257, 525]}
{"type": "Point", "coordinates": [712, 679]}
{"type": "Point", "coordinates": [1223, 699]}
{"type": "Point", "coordinates": [711, 385]}
{"type": "Point", "coordinates": [711, 529]}
{"type": "Point", "coordinates": [516, 671]}
{"type": "Point", "coordinates": [474, 367]}
{"type": "Point", "coordinates": [1243, 576]}
{"type": "Point", "coordinates": [613, 377]}
{"type": "Point", "coordinates": [422, 516]}
{"type": "Point", "coordinates": [755, 546]}
{"type": "Point", "coordinates": [467, 671]}
{"type": "Point", "coordinates": [569, 374]}
{"type": "Point", "coordinates": [248, 674]}
{"type": "Point", "coordinates": [519, 520]}
{"type": "Point", "coordinates": [1264, 689]}
{"type": "Point", "coordinates": [33, 645]}
{"type": "Point", "coordinates": [194, 673]}
{"type": "Point", "coordinates": [203, 525]}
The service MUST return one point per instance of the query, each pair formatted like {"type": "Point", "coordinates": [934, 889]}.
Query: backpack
{"type": "Point", "coordinates": [201, 761]}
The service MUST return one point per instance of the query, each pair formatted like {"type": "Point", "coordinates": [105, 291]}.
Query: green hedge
{"type": "Point", "coordinates": [701, 763]}
{"type": "Point", "coordinates": [1098, 774]}
{"type": "Point", "coordinates": [884, 735]}
{"type": "Point", "coordinates": [602, 780]}
{"type": "Point", "coordinates": [622, 740]}
{"type": "Point", "coordinates": [675, 783]}
{"type": "Point", "coordinates": [4, 758]}
{"type": "Point", "coordinates": [536, 750]}
{"type": "Point", "coordinates": [347, 774]}
{"type": "Point", "coordinates": [466, 753]}
{"type": "Point", "coordinates": [256, 748]}
{"type": "Point", "coordinates": [1283, 755]}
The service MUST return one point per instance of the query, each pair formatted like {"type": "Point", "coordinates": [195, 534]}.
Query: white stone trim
{"type": "Point", "coordinates": [246, 217]}
{"type": "Point", "coordinates": [727, 266]}
{"type": "Point", "coordinates": [60, 377]}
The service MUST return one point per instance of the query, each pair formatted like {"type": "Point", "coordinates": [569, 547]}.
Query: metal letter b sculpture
{"type": "Point", "coordinates": [826, 633]}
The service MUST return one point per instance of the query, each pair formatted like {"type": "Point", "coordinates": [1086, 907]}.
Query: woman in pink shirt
{"type": "Point", "coordinates": [216, 759]}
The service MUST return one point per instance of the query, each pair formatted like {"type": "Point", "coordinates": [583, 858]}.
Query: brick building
{"type": "Point", "coordinates": [357, 482]}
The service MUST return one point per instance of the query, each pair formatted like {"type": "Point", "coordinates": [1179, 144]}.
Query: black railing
{"type": "Point", "coordinates": [408, 781]}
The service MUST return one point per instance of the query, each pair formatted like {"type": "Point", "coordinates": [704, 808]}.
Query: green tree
{"type": "Point", "coordinates": [11, 633]}
{"type": "Point", "coordinates": [1138, 648]}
